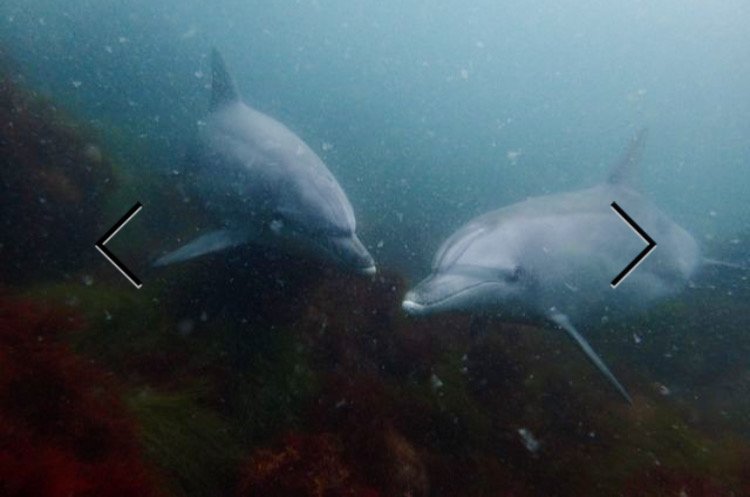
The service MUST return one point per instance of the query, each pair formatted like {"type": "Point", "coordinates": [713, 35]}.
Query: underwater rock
{"type": "Point", "coordinates": [405, 473]}
{"type": "Point", "coordinates": [660, 481]}
{"type": "Point", "coordinates": [64, 429]}
{"type": "Point", "coordinates": [53, 178]}
{"type": "Point", "coordinates": [403, 433]}
{"type": "Point", "coordinates": [305, 466]}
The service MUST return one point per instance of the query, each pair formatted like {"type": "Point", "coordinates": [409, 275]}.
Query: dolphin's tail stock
{"type": "Point", "coordinates": [563, 322]}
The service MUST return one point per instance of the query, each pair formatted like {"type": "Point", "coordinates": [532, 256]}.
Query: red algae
{"type": "Point", "coordinates": [64, 429]}
{"type": "Point", "coordinates": [422, 407]}
{"type": "Point", "coordinates": [304, 466]}
{"type": "Point", "coordinates": [666, 482]}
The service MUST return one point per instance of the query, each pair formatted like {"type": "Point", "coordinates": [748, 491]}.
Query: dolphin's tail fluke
{"type": "Point", "coordinates": [563, 322]}
{"type": "Point", "coordinates": [223, 88]}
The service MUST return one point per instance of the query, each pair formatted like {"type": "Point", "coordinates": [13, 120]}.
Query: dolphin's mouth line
{"type": "Point", "coordinates": [322, 241]}
{"type": "Point", "coordinates": [451, 296]}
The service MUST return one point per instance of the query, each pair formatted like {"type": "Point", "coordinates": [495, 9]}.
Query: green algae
{"type": "Point", "coordinates": [196, 448]}
{"type": "Point", "coordinates": [120, 321]}
{"type": "Point", "coordinates": [275, 382]}
{"type": "Point", "coordinates": [454, 420]}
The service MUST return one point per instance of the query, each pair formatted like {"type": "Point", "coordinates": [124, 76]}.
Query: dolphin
{"type": "Point", "coordinates": [553, 258]}
{"type": "Point", "coordinates": [266, 186]}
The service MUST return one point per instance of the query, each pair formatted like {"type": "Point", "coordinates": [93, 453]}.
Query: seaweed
{"type": "Point", "coordinates": [64, 429]}
{"type": "Point", "coordinates": [194, 447]}
{"type": "Point", "coordinates": [257, 373]}
{"type": "Point", "coordinates": [53, 177]}
{"type": "Point", "coordinates": [304, 466]}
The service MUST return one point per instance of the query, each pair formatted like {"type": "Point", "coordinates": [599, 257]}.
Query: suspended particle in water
{"type": "Point", "coordinates": [189, 33]}
{"type": "Point", "coordinates": [529, 440]}
{"type": "Point", "coordinates": [185, 327]}
{"type": "Point", "coordinates": [662, 389]}
{"type": "Point", "coordinates": [93, 153]}
{"type": "Point", "coordinates": [277, 225]}
{"type": "Point", "coordinates": [513, 156]}
{"type": "Point", "coordinates": [435, 382]}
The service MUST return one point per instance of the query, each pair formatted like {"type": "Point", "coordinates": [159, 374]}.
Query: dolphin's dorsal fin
{"type": "Point", "coordinates": [223, 88]}
{"type": "Point", "coordinates": [625, 171]}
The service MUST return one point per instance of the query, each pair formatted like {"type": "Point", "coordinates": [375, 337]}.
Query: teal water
{"type": "Point", "coordinates": [426, 112]}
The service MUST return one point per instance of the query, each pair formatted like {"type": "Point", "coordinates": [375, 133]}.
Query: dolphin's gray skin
{"type": "Point", "coordinates": [267, 186]}
{"type": "Point", "coordinates": [554, 257]}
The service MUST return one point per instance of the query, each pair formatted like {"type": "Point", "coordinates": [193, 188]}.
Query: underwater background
{"type": "Point", "coordinates": [253, 372]}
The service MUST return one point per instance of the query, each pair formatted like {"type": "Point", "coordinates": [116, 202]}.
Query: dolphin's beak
{"type": "Point", "coordinates": [414, 303]}
{"type": "Point", "coordinates": [353, 253]}
{"type": "Point", "coordinates": [412, 308]}
{"type": "Point", "coordinates": [440, 292]}
{"type": "Point", "coordinates": [369, 270]}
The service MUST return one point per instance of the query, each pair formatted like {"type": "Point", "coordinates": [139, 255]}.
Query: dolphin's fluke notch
{"type": "Point", "coordinates": [563, 322]}
{"type": "Point", "coordinates": [625, 171]}
{"type": "Point", "coordinates": [223, 88]}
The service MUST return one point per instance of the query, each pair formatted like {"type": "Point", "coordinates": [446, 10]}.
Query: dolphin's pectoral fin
{"type": "Point", "coordinates": [563, 322]}
{"type": "Point", "coordinates": [725, 264]}
{"type": "Point", "coordinates": [210, 242]}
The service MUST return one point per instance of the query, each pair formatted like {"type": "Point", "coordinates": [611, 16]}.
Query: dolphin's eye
{"type": "Point", "coordinates": [276, 226]}
{"type": "Point", "coordinates": [515, 274]}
